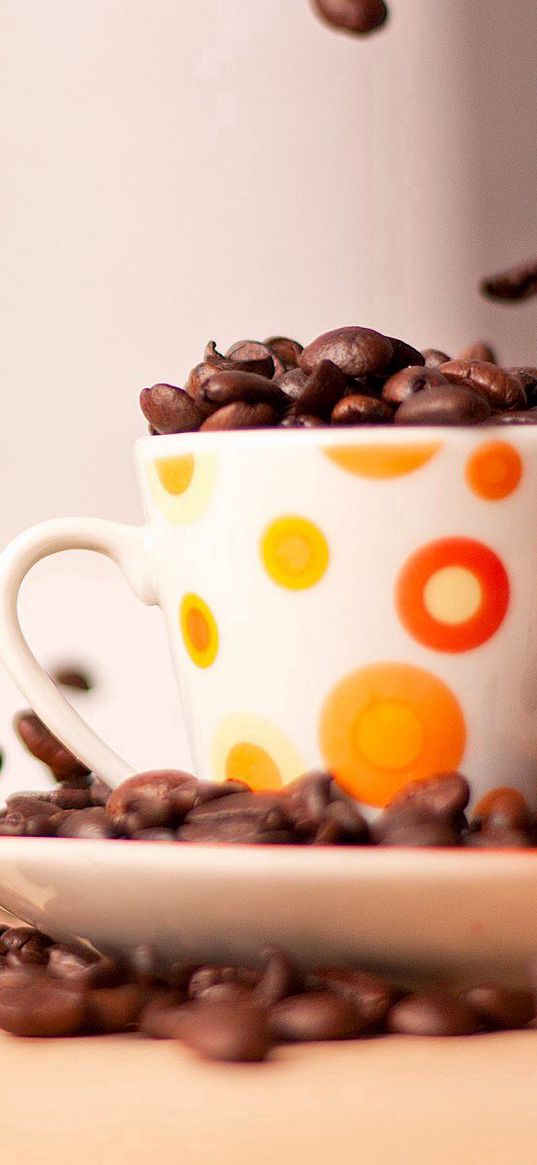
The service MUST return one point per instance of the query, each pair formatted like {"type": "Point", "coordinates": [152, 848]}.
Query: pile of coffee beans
{"type": "Point", "coordinates": [229, 1013]}
{"type": "Point", "coordinates": [347, 377]}
{"type": "Point", "coordinates": [174, 806]}
{"type": "Point", "coordinates": [355, 16]}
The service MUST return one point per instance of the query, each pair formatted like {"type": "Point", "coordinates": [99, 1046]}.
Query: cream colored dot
{"type": "Point", "coordinates": [453, 595]}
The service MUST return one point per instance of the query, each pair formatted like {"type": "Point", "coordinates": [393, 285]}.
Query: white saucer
{"type": "Point", "coordinates": [467, 915]}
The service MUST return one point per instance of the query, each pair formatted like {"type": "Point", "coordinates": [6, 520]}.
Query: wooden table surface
{"type": "Point", "coordinates": [396, 1100]}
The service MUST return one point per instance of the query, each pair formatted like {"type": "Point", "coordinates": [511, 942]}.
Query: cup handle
{"type": "Point", "coordinates": [129, 548]}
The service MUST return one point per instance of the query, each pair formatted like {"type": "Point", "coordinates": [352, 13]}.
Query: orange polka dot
{"type": "Point", "coordinates": [175, 473]}
{"type": "Point", "coordinates": [383, 461]}
{"type": "Point", "coordinates": [250, 763]}
{"type": "Point", "coordinates": [294, 552]}
{"type": "Point", "coordinates": [199, 630]}
{"type": "Point", "coordinates": [452, 595]}
{"type": "Point", "coordinates": [494, 471]}
{"type": "Point", "coordinates": [388, 724]}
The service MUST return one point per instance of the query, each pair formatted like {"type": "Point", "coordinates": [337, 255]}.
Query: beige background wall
{"type": "Point", "coordinates": [173, 172]}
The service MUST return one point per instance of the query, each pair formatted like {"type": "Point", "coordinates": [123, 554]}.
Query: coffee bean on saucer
{"type": "Point", "coordinates": [503, 808]}
{"type": "Point", "coordinates": [501, 1008]}
{"type": "Point", "coordinates": [169, 786]}
{"type": "Point", "coordinates": [41, 825]}
{"type": "Point", "coordinates": [240, 415]}
{"type": "Point", "coordinates": [370, 995]}
{"type": "Point", "coordinates": [442, 795]}
{"type": "Point", "coordinates": [408, 381]}
{"type": "Point", "coordinates": [34, 1005]}
{"type": "Point", "coordinates": [518, 417]}
{"type": "Point", "coordinates": [73, 677]}
{"type": "Point", "coordinates": [70, 797]}
{"type": "Point", "coordinates": [411, 830]}
{"type": "Point", "coordinates": [317, 1015]}
{"type": "Point", "coordinates": [452, 405]}
{"type": "Point", "coordinates": [288, 351]}
{"type": "Point", "coordinates": [502, 389]}
{"type": "Point", "coordinates": [356, 351]}
{"type": "Point", "coordinates": [432, 1013]}
{"type": "Point", "coordinates": [498, 839]}
{"type": "Point", "coordinates": [278, 979]}
{"type": "Point", "coordinates": [165, 1018]}
{"type": "Point", "coordinates": [204, 978]}
{"type": "Point", "coordinates": [44, 745]}
{"type": "Point", "coordinates": [306, 799]}
{"type": "Point", "coordinates": [356, 16]}
{"type": "Point", "coordinates": [170, 409]}
{"type": "Point", "coordinates": [358, 409]}
{"type": "Point", "coordinates": [342, 823]}
{"type": "Point", "coordinates": [294, 420]}
{"type": "Point", "coordinates": [235, 831]}
{"type": "Point", "coordinates": [518, 282]}
{"type": "Point", "coordinates": [229, 1032]}
{"type": "Point", "coordinates": [99, 791]}
{"type": "Point", "coordinates": [94, 824]}
{"type": "Point", "coordinates": [65, 962]}
{"type": "Point", "coordinates": [28, 805]}
{"type": "Point", "coordinates": [434, 357]}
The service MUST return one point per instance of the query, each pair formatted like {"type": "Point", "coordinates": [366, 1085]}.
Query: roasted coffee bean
{"type": "Point", "coordinates": [147, 814]}
{"type": "Point", "coordinates": [169, 409]}
{"type": "Point", "coordinates": [34, 1005]}
{"type": "Point", "coordinates": [13, 825]}
{"type": "Point", "coordinates": [370, 996]}
{"type": "Point", "coordinates": [278, 979]}
{"type": "Point", "coordinates": [306, 799]}
{"type": "Point", "coordinates": [247, 351]}
{"type": "Point", "coordinates": [241, 415]}
{"type": "Point", "coordinates": [317, 1015]}
{"type": "Point", "coordinates": [498, 839]}
{"type": "Point", "coordinates": [358, 409]}
{"type": "Point", "coordinates": [204, 978]}
{"type": "Point", "coordinates": [42, 825]}
{"type": "Point", "coordinates": [455, 405]}
{"type": "Point", "coordinates": [357, 16]}
{"type": "Point", "coordinates": [235, 1032]}
{"type": "Point", "coordinates": [403, 356]}
{"type": "Point", "coordinates": [211, 355]}
{"type": "Point", "coordinates": [323, 389]}
{"type": "Point", "coordinates": [153, 835]}
{"type": "Point", "coordinates": [160, 785]}
{"type": "Point", "coordinates": [288, 351]}
{"type": "Point", "coordinates": [215, 790]}
{"type": "Point", "coordinates": [442, 795]}
{"type": "Point", "coordinates": [28, 805]}
{"type": "Point", "coordinates": [408, 381]}
{"type": "Point", "coordinates": [478, 351]}
{"type": "Point", "coordinates": [528, 377]}
{"type": "Point", "coordinates": [70, 797]}
{"type": "Point", "coordinates": [202, 375]}
{"type": "Point", "coordinates": [65, 962]}
{"type": "Point", "coordinates": [502, 389]}
{"type": "Point", "coordinates": [500, 1008]}
{"type": "Point", "coordinates": [33, 952]}
{"type": "Point", "coordinates": [225, 388]}
{"type": "Point", "coordinates": [416, 833]}
{"type": "Point", "coordinates": [342, 824]}
{"type": "Point", "coordinates": [526, 417]}
{"type": "Point", "coordinates": [14, 938]}
{"type": "Point", "coordinates": [73, 677]}
{"type": "Point", "coordinates": [166, 1019]}
{"type": "Point", "coordinates": [43, 745]}
{"type": "Point", "coordinates": [91, 823]}
{"type": "Point", "coordinates": [237, 831]}
{"type": "Point", "coordinates": [503, 808]}
{"type": "Point", "coordinates": [518, 282]}
{"type": "Point", "coordinates": [269, 808]}
{"type": "Point", "coordinates": [356, 351]}
{"type": "Point", "coordinates": [113, 1009]}
{"type": "Point", "coordinates": [99, 791]}
{"type": "Point", "coordinates": [434, 357]}
{"type": "Point", "coordinates": [432, 1013]}
{"type": "Point", "coordinates": [293, 382]}
{"type": "Point", "coordinates": [293, 420]}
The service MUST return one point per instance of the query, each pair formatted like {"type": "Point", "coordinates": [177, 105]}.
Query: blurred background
{"type": "Point", "coordinates": [175, 173]}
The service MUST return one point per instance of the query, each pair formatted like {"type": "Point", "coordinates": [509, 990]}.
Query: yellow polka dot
{"type": "Point", "coordinates": [249, 748]}
{"type": "Point", "coordinates": [182, 486]}
{"type": "Point", "coordinates": [453, 595]}
{"type": "Point", "coordinates": [382, 461]}
{"type": "Point", "coordinates": [252, 764]}
{"type": "Point", "coordinates": [390, 734]}
{"type": "Point", "coordinates": [295, 552]}
{"type": "Point", "coordinates": [175, 473]}
{"type": "Point", "coordinates": [199, 630]}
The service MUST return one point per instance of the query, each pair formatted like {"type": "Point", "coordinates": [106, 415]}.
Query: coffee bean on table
{"type": "Point", "coordinates": [432, 1013]}
{"type": "Point", "coordinates": [408, 381]}
{"type": "Point", "coordinates": [356, 351]}
{"type": "Point", "coordinates": [370, 995]}
{"type": "Point", "coordinates": [44, 745]}
{"type": "Point", "coordinates": [33, 1005]}
{"type": "Point", "coordinates": [278, 979]}
{"type": "Point", "coordinates": [518, 282]}
{"type": "Point", "coordinates": [358, 409]}
{"type": "Point", "coordinates": [169, 409]}
{"type": "Point", "coordinates": [502, 389]}
{"type": "Point", "coordinates": [356, 16]}
{"type": "Point", "coordinates": [317, 1015]}
{"type": "Point", "coordinates": [241, 415]}
{"type": "Point", "coordinates": [113, 1009]}
{"type": "Point", "coordinates": [501, 1008]}
{"type": "Point", "coordinates": [453, 405]}
{"type": "Point", "coordinates": [165, 1018]}
{"type": "Point", "coordinates": [229, 1032]}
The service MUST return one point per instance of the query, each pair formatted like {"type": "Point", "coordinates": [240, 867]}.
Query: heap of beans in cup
{"type": "Point", "coordinates": [346, 377]}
